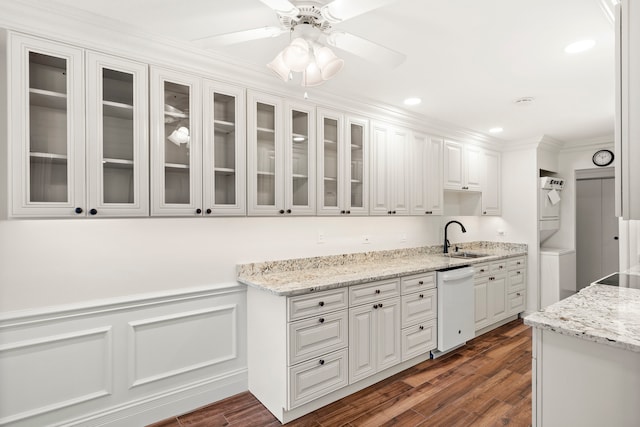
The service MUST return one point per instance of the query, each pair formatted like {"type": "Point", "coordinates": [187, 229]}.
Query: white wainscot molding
{"type": "Point", "coordinates": [131, 361]}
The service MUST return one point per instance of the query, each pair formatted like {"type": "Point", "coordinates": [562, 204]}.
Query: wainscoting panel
{"type": "Point", "coordinates": [131, 361]}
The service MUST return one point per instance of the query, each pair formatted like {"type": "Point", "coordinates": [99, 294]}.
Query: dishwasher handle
{"type": "Point", "coordinates": [459, 274]}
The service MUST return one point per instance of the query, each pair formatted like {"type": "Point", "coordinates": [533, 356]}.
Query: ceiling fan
{"type": "Point", "coordinates": [310, 24]}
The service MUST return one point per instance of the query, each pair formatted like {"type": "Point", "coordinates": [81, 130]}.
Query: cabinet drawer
{"type": "Point", "coordinates": [497, 267]}
{"type": "Point", "coordinates": [318, 335]}
{"type": "Point", "coordinates": [314, 304]}
{"type": "Point", "coordinates": [481, 270]}
{"type": "Point", "coordinates": [517, 263]}
{"type": "Point", "coordinates": [370, 292]}
{"type": "Point", "coordinates": [419, 339]}
{"type": "Point", "coordinates": [417, 282]}
{"type": "Point", "coordinates": [317, 377]}
{"type": "Point", "coordinates": [516, 280]}
{"type": "Point", "coordinates": [419, 307]}
{"type": "Point", "coordinates": [516, 302]}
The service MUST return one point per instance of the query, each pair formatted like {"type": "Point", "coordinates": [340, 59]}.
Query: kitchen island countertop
{"type": "Point", "coordinates": [304, 275]}
{"type": "Point", "coordinates": [601, 313]}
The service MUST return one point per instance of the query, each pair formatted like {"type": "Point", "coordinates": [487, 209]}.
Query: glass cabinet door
{"type": "Point", "coordinates": [265, 158]}
{"type": "Point", "coordinates": [117, 135]}
{"type": "Point", "coordinates": [47, 128]}
{"type": "Point", "coordinates": [300, 161]}
{"type": "Point", "coordinates": [176, 154]}
{"type": "Point", "coordinates": [330, 151]}
{"type": "Point", "coordinates": [224, 150]}
{"type": "Point", "coordinates": [356, 173]}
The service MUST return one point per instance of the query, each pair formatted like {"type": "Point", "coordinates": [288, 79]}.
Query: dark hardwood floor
{"type": "Point", "coordinates": [485, 383]}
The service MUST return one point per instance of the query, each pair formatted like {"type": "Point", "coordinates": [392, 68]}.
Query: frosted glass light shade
{"type": "Point", "coordinates": [312, 76]}
{"type": "Point", "coordinates": [296, 55]}
{"type": "Point", "coordinates": [180, 136]}
{"type": "Point", "coordinates": [279, 67]}
{"type": "Point", "coordinates": [329, 63]}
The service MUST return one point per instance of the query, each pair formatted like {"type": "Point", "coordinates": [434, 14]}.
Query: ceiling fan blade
{"type": "Point", "coordinates": [368, 50]}
{"type": "Point", "coordinates": [282, 7]}
{"type": "Point", "coordinates": [238, 37]}
{"type": "Point", "coordinates": [341, 10]}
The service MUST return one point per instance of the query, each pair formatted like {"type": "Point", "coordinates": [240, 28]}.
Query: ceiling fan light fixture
{"type": "Point", "coordinates": [296, 55]}
{"type": "Point", "coordinates": [312, 75]}
{"type": "Point", "coordinates": [279, 67]}
{"type": "Point", "coordinates": [329, 63]}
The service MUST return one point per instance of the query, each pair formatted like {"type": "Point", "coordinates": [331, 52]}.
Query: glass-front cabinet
{"type": "Point", "coordinates": [280, 157]}
{"type": "Point", "coordinates": [117, 132]}
{"type": "Point", "coordinates": [67, 160]}
{"type": "Point", "coordinates": [341, 164]}
{"type": "Point", "coordinates": [224, 150]}
{"type": "Point", "coordinates": [176, 162]}
{"type": "Point", "coordinates": [47, 128]}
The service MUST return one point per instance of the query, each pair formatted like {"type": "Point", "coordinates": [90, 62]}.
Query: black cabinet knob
{"type": "Point", "coordinates": [484, 213]}
{"type": "Point", "coordinates": [394, 212]}
{"type": "Point", "coordinates": [380, 305]}
{"type": "Point", "coordinates": [78, 210]}
{"type": "Point", "coordinates": [321, 303]}
{"type": "Point", "coordinates": [208, 211]}
{"type": "Point", "coordinates": [288, 210]}
{"type": "Point", "coordinates": [615, 238]}
{"type": "Point", "coordinates": [388, 212]}
{"type": "Point", "coordinates": [421, 328]}
{"type": "Point", "coordinates": [518, 294]}
{"type": "Point", "coordinates": [429, 212]}
{"type": "Point", "coordinates": [377, 291]}
{"type": "Point", "coordinates": [321, 361]}
{"type": "Point", "coordinates": [420, 282]}
{"type": "Point", "coordinates": [93, 211]}
{"type": "Point", "coordinates": [198, 211]}
{"type": "Point", "coordinates": [348, 212]}
{"type": "Point", "coordinates": [321, 320]}
{"type": "Point", "coordinates": [375, 305]}
{"type": "Point", "coordinates": [421, 295]}
{"type": "Point", "coordinates": [343, 212]}
{"type": "Point", "coordinates": [518, 272]}
{"type": "Point", "coordinates": [281, 211]}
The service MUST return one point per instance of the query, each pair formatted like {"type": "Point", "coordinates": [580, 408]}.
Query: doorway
{"type": "Point", "coordinates": [597, 249]}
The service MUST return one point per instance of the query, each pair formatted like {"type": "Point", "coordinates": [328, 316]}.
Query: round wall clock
{"type": "Point", "coordinates": [602, 158]}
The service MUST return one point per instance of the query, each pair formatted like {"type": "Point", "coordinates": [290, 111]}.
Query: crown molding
{"type": "Point", "coordinates": [589, 144]}
{"type": "Point", "coordinates": [91, 31]}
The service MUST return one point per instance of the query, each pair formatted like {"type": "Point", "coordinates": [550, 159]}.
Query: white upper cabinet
{"type": "Point", "coordinates": [627, 123]}
{"type": "Point", "coordinates": [341, 164]}
{"type": "Point", "coordinates": [462, 166]}
{"type": "Point", "coordinates": [224, 150]}
{"type": "Point", "coordinates": [426, 174]}
{"type": "Point", "coordinates": [491, 183]}
{"type": "Point", "coordinates": [117, 133]}
{"type": "Point", "coordinates": [176, 144]}
{"type": "Point", "coordinates": [390, 168]}
{"type": "Point", "coordinates": [68, 160]}
{"type": "Point", "coordinates": [280, 156]}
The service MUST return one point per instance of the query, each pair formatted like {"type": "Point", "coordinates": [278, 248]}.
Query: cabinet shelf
{"type": "Point", "coordinates": [300, 176]}
{"type": "Point", "coordinates": [225, 171]}
{"type": "Point", "coordinates": [54, 158]}
{"type": "Point", "coordinates": [118, 110]}
{"type": "Point", "coordinates": [265, 132]}
{"type": "Point", "coordinates": [330, 141]}
{"type": "Point", "coordinates": [48, 99]}
{"type": "Point", "coordinates": [356, 147]}
{"type": "Point", "coordinates": [262, 173]}
{"type": "Point", "coordinates": [176, 115]}
{"type": "Point", "coordinates": [176, 166]}
{"type": "Point", "coordinates": [330, 179]}
{"type": "Point", "coordinates": [224, 126]}
{"type": "Point", "coordinates": [117, 163]}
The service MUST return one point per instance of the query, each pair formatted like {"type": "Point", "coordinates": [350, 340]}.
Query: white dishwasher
{"type": "Point", "coordinates": [456, 319]}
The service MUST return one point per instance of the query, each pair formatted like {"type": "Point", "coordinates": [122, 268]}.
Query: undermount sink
{"type": "Point", "coordinates": [464, 255]}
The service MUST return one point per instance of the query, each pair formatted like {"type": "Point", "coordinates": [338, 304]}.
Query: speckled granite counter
{"type": "Point", "coordinates": [304, 275]}
{"type": "Point", "coordinates": [600, 313]}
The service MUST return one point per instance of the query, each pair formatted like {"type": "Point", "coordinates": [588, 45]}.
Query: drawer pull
{"type": "Point", "coordinates": [422, 328]}
{"type": "Point", "coordinates": [375, 305]}
{"type": "Point", "coordinates": [421, 295]}
{"type": "Point", "coordinates": [377, 291]}
{"type": "Point", "coordinates": [321, 320]}
{"type": "Point", "coordinates": [517, 272]}
{"type": "Point", "coordinates": [482, 270]}
{"type": "Point", "coordinates": [518, 263]}
{"type": "Point", "coordinates": [500, 267]}
{"type": "Point", "coordinates": [321, 361]}
{"type": "Point", "coordinates": [321, 303]}
{"type": "Point", "coordinates": [380, 305]}
{"type": "Point", "coordinates": [421, 282]}
{"type": "Point", "coordinates": [518, 294]}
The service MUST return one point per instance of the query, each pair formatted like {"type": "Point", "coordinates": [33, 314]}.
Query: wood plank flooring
{"type": "Point", "coordinates": [485, 383]}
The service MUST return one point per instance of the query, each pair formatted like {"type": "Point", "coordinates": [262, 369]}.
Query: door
{"type": "Point", "coordinates": [597, 251]}
{"type": "Point", "coordinates": [362, 339]}
{"type": "Point", "coordinates": [388, 333]}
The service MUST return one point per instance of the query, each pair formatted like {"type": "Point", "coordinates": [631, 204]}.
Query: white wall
{"type": "Point", "coordinates": [51, 262]}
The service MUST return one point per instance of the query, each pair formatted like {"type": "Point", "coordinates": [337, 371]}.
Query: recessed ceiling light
{"type": "Point", "coordinates": [412, 101]}
{"type": "Point", "coordinates": [580, 46]}
{"type": "Point", "coordinates": [496, 130]}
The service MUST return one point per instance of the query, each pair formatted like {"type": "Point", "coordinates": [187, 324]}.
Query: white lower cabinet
{"type": "Point", "coordinates": [317, 377]}
{"type": "Point", "coordinates": [499, 289]}
{"type": "Point", "coordinates": [419, 311]}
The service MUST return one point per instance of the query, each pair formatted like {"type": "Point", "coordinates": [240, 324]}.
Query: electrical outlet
{"type": "Point", "coordinates": [321, 237]}
{"type": "Point", "coordinates": [500, 232]}
{"type": "Point", "coordinates": [366, 239]}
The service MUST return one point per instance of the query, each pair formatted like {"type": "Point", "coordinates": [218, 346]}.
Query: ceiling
{"type": "Point", "coordinates": [468, 60]}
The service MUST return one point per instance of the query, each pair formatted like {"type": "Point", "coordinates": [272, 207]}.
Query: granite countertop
{"type": "Point", "coordinates": [601, 313]}
{"type": "Point", "coordinates": [304, 275]}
